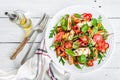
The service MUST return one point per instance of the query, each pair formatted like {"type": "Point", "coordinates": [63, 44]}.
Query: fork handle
{"type": "Point", "coordinates": [19, 48]}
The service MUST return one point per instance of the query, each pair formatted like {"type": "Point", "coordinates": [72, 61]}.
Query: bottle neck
{"type": "Point", "coordinates": [12, 17]}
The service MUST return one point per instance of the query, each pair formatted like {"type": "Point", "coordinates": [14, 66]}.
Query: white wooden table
{"type": "Point", "coordinates": [11, 34]}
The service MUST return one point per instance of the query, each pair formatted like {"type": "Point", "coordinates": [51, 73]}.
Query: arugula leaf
{"type": "Point", "coordinates": [100, 57]}
{"type": "Point", "coordinates": [53, 31]}
{"type": "Point", "coordinates": [55, 44]}
{"type": "Point", "coordinates": [62, 61]}
{"type": "Point", "coordinates": [77, 15]}
{"type": "Point", "coordinates": [77, 66]}
{"type": "Point", "coordinates": [105, 36]}
{"type": "Point", "coordinates": [82, 59]}
{"type": "Point", "coordinates": [85, 28]}
{"type": "Point", "coordinates": [99, 19]}
{"type": "Point", "coordinates": [69, 52]}
{"type": "Point", "coordinates": [75, 37]}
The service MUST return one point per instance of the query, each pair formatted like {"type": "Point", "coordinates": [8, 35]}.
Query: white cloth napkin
{"type": "Point", "coordinates": [39, 67]}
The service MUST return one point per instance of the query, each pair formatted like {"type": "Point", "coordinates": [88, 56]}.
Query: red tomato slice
{"type": "Point", "coordinates": [68, 45]}
{"type": "Point", "coordinates": [59, 36]}
{"type": "Point", "coordinates": [97, 38]}
{"type": "Point", "coordinates": [90, 63]}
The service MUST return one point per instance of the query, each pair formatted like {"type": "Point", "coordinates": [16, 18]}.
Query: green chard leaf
{"type": "Point", "coordinates": [69, 52]}
{"type": "Point", "coordinates": [85, 28]}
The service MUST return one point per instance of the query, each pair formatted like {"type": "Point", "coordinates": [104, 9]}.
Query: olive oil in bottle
{"type": "Point", "coordinates": [22, 20]}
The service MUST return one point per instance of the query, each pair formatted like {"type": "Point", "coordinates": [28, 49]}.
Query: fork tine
{"type": "Point", "coordinates": [43, 24]}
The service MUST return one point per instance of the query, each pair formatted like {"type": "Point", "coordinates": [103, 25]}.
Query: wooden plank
{"type": "Point", "coordinates": [6, 50]}
{"type": "Point", "coordinates": [109, 71]}
{"type": "Point", "coordinates": [38, 6]}
{"type": "Point", "coordinates": [10, 32]}
{"type": "Point", "coordinates": [53, 6]}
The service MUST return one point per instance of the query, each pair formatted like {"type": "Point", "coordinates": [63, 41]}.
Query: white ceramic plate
{"type": "Point", "coordinates": [71, 10]}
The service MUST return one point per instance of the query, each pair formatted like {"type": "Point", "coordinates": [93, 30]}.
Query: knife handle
{"type": "Point", "coordinates": [19, 48]}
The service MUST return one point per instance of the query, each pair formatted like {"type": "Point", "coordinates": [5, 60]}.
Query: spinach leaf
{"type": "Point", "coordinates": [85, 28]}
{"type": "Point", "coordinates": [94, 22]}
{"type": "Point", "coordinates": [82, 59]}
{"type": "Point", "coordinates": [69, 52]}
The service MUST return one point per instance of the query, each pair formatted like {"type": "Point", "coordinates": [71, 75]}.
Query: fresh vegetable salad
{"type": "Point", "coordinates": [80, 39]}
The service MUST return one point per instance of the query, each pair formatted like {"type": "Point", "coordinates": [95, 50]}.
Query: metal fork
{"type": "Point", "coordinates": [39, 29]}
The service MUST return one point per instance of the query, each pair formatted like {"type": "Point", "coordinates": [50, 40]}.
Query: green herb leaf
{"type": "Point", "coordinates": [99, 19]}
{"type": "Point", "coordinates": [78, 66]}
{"type": "Point", "coordinates": [77, 15]}
{"type": "Point", "coordinates": [82, 59]}
{"type": "Point", "coordinates": [62, 61]}
{"type": "Point", "coordinates": [85, 28]}
{"type": "Point", "coordinates": [76, 45]}
{"type": "Point", "coordinates": [69, 52]}
{"type": "Point", "coordinates": [94, 21]}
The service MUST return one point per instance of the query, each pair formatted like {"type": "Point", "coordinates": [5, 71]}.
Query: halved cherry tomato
{"type": "Point", "coordinates": [90, 63]}
{"type": "Point", "coordinates": [102, 46]}
{"type": "Point", "coordinates": [97, 38]}
{"type": "Point", "coordinates": [76, 29]}
{"type": "Point", "coordinates": [59, 36]}
{"type": "Point", "coordinates": [68, 45]}
{"type": "Point", "coordinates": [87, 16]}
